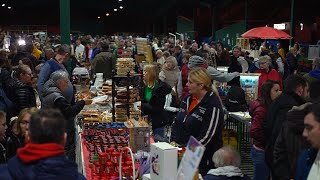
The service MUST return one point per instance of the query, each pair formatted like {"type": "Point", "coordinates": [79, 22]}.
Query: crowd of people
{"type": "Point", "coordinates": [178, 96]}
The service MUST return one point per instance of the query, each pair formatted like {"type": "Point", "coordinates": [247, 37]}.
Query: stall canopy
{"type": "Point", "coordinates": [266, 33]}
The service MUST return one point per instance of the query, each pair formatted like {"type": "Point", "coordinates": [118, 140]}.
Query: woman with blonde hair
{"type": "Point", "coordinates": [170, 72]}
{"type": "Point", "coordinates": [154, 95]}
{"type": "Point", "coordinates": [17, 136]}
{"type": "Point", "coordinates": [201, 116]}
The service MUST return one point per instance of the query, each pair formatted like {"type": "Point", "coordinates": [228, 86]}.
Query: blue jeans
{"type": "Point", "coordinates": [261, 170]}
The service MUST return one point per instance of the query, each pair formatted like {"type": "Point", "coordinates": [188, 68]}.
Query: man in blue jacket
{"type": "Point", "coordinates": [43, 157]}
{"type": "Point", "coordinates": [309, 161]}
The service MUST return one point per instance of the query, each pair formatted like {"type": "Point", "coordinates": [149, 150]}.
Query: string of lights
{"type": "Point", "coordinates": [119, 7]}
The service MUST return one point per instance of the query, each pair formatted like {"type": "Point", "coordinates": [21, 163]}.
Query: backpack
{"type": "Point", "coordinates": [236, 100]}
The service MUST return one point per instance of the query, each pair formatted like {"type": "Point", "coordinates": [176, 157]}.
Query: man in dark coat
{"type": "Point", "coordinates": [290, 141]}
{"type": "Point", "coordinates": [104, 62]}
{"type": "Point", "coordinates": [43, 157]}
{"type": "Point", "coordinates": [53, 98]}
{"type": "Point", "coordinates": [296, 89]}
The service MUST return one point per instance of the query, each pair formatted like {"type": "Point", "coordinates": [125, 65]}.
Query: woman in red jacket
{"type": "Point", "coordinates": [267, 72]}
{"type": "Point", "coordinates": [270, 90]}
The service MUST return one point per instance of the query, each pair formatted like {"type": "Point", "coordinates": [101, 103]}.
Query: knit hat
{"type": "Point", "coordinates": [196, 61]}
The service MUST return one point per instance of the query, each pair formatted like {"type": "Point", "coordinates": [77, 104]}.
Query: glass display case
{"type": "Point", "coordinates": [249, 83]}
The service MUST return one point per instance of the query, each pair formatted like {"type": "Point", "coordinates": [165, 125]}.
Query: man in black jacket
{"type": "Point", "coordinates": [290, 141]}
{"type": "Point", "coordinates": [296, 89]}
{"type": "Point", "coordinates": [53, 98]}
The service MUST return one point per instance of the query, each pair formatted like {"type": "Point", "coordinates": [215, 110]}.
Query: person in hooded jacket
{"type": "Point", "coordinates": [314, 75]}
{"type": "Point", "coordinates": [290, 141]}
{"type": "Point", "coordinates": [201, 116]}
{"type": "Point", "coordinates": [43, 157]}
{"type": "Point", "coordinates": [197, 61]}
{"type": "Point", "coordinates": [154, 97]}
{"type": "Point", "coordinates": [270, 90]}
{"type": "Point", "coordinates": [53, 98]}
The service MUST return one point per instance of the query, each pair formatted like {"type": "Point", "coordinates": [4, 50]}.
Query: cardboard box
{"type": "Point", "coordinates": [164, 161]}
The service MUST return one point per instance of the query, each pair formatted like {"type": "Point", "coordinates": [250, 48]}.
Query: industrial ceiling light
{"type": "Point", "coordinates": [120, 0]}
{"type": "Point", "coordinates": [99, 17]}
{"type": "Point", "coordinates": [107, 14]}
{"type": "Point", "coordinates": [9, 7]}
{"type": "Point", "coordinates": [3, 5]}
{"type": "Point", "coordinates": [115, 9]}
{"type": "Point", "coordinates": [121, 7]}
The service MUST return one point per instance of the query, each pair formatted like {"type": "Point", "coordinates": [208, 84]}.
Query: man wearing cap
{"type": "Point", "coordinates": [197, 61]}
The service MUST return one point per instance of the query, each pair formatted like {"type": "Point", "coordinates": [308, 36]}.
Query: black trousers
{"type": "Point", "coordinates": [70, 146]}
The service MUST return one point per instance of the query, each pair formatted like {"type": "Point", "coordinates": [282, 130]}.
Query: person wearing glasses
{"type": "Point", "coordinates": [20, 91]}
{"type": "Point", "coordinates": [16, 137]}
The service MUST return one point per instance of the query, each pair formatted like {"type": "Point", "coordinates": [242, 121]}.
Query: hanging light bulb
{"type": "Point", "coordinates": [115, 9]}
{"type": "Point", "coordinates": [9, 7]}
{"type": "Point", "coordinates": [120, 0]}
{"type": "Point", "coordinates": [99, 17]}
{"type": "Point", "coordinates": [107, 14]}
{"type": "Point", "coordinates": [3, 5]}
{"type": "Point", "coordinates": [121, 7]}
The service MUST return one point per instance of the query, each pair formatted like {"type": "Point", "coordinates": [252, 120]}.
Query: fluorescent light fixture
{"type": "Point", "coordinates": [21, 42]}
{"type": "Point", "coordinates": [3, 5]}
{"type": "Point", "coordinates": [115, 9]}
{"type": "Point", "coordinates": [121, 7]}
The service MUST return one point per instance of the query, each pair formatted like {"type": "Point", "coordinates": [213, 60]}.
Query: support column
{"type": "Point", "coordinates": [246, 15]}
{"type": "Point", "coordinates": [65, 21]}
{"type": "Point", "coordinates": [215, 20]}
{"type": "Point", "coordinates": [292, 23]}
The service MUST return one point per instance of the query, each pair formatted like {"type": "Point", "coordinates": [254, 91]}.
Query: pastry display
{"type": "Point", "coordinates": [125, 65]}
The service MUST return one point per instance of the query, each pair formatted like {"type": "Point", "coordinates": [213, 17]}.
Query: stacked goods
{"type": "Point", "coordinates": [122, 96]}
{"type": "Point", "coordinates": [106, 88]}
{"type": "Point", "coordinates": [139, 134]}
{"type": "Point", "coordinates": [94, 116]}
{"type": "Point", "coordinates": [121, 112]}
{"type": "Point", "coordinates": [105, 144]}
{"type": "Point", "coordinates": [90, 116]}
{"type": "Point", "coordinates": [125, 65]}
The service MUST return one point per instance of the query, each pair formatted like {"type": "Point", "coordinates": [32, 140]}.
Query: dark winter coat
{"type": "Point", "coordinates": [58, 167]}
{"type": "Point", "coordinates": [53, 98]}
{"type": "Point", "coordinates": [13, 143]}
{"type": "Point", "coordinates": [235, 66]}
{"type": "Point", "coordinates": [305, 163]}
{"type": "Point", "coordinates": [258, 112]}
{"type": "Point", "coordinates": [290, 143]}
{"type": "Point", "coordinates": [155, 108]}
{"type": "Point", "coordinates": [104, 62]}
{"type": "Point", "coordinates": [204, 122]}
{"type": "Point", "coordinates": [3, 157]}
{"type": "Point", "coordinates": [21, 95]}
{"type": "Point", "coordinates": [276, 115]}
